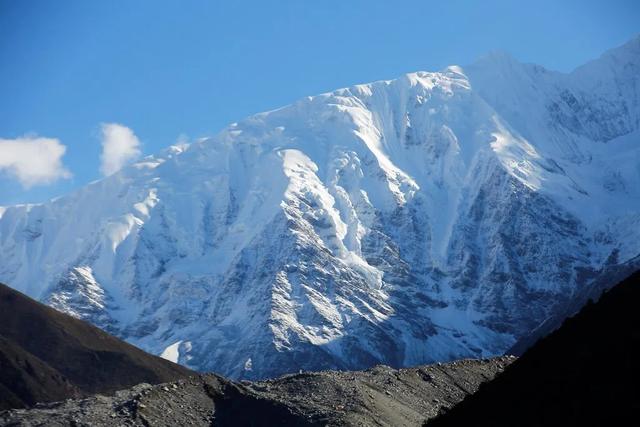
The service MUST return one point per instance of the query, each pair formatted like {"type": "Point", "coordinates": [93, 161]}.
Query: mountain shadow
{"type": "Point", "coordinates": [585, 373]}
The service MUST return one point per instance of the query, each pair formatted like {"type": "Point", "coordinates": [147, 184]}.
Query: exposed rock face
{"type": "Point", "coordinates": [429, 218]}
{"type": "Point", "coordinates": [381, 396]}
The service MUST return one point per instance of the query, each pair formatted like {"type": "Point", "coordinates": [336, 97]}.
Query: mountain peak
{"type": "Point", "coordinates": [630, 49]}
{"type": "Point", "coordinates": [366, 225]}
{"type": "Point", "coordinates": [621, 59]}
{"type": "Point", "coordinates": [497, 58]}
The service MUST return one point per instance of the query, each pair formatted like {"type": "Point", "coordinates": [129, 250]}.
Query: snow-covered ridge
{"type": "Point", "coordinates": [431, 217]}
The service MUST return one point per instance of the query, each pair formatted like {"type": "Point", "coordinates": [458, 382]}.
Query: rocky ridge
{"type": "Point", "coordinates": [381, 396]}
{"type": "Point", "coordinates": [47, 356]}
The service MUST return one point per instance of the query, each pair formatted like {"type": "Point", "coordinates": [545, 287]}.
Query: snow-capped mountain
{"type": "Point", "coordinates": [432, 217]}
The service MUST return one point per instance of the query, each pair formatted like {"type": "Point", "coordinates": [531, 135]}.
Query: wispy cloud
{"type": "Point", "coordinates": [33, 160]}
{"type": "Point", "coordinates": [119, 147]}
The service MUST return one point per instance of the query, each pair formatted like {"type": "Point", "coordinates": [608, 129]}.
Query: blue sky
{"type": "Point", "coordinates": [169, 68]}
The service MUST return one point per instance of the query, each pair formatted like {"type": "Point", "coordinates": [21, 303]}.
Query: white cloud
{"type": "Point", "coordinates": [119, 147]}
{"type": "Point", "coordinates": [33, 160]}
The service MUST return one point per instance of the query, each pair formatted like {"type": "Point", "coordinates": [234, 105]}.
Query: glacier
{"type": "Point", "coordinates": [428, 218]}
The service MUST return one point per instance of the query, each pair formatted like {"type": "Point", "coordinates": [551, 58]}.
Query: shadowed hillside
{"type": "Point", "coordinates": [46, 355]}
{"type": "Point", "coordinates": [585, 373]}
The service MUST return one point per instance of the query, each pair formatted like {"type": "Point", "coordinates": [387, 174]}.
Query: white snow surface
{"type": "Point", "coordinates": [172, 353]}
{"type": "Point", "coordinates": [432, 217]}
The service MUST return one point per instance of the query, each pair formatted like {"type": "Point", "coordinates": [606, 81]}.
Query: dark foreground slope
{"type": "Point", "coordinates": [585, 373]}
{"type": "Point", "coordinates": [593, 284]}
{"type": "Point", "coordinates": [46, 355]}
{"type": "Point", "coordinates": [377, 397]}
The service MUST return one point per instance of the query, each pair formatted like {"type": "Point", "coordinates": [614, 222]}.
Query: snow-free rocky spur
{"type": "Point", "coordinates": [49, 356]}
{"type": "Point", "coordinates": [433, 217]}
{"type": "Point", "coordinates": [380, 396]}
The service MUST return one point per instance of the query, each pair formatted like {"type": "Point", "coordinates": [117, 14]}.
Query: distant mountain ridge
{"type": "Point", "coordinates": [48, 356]}
{"type": "Point", "coordinates": [433, 217]}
